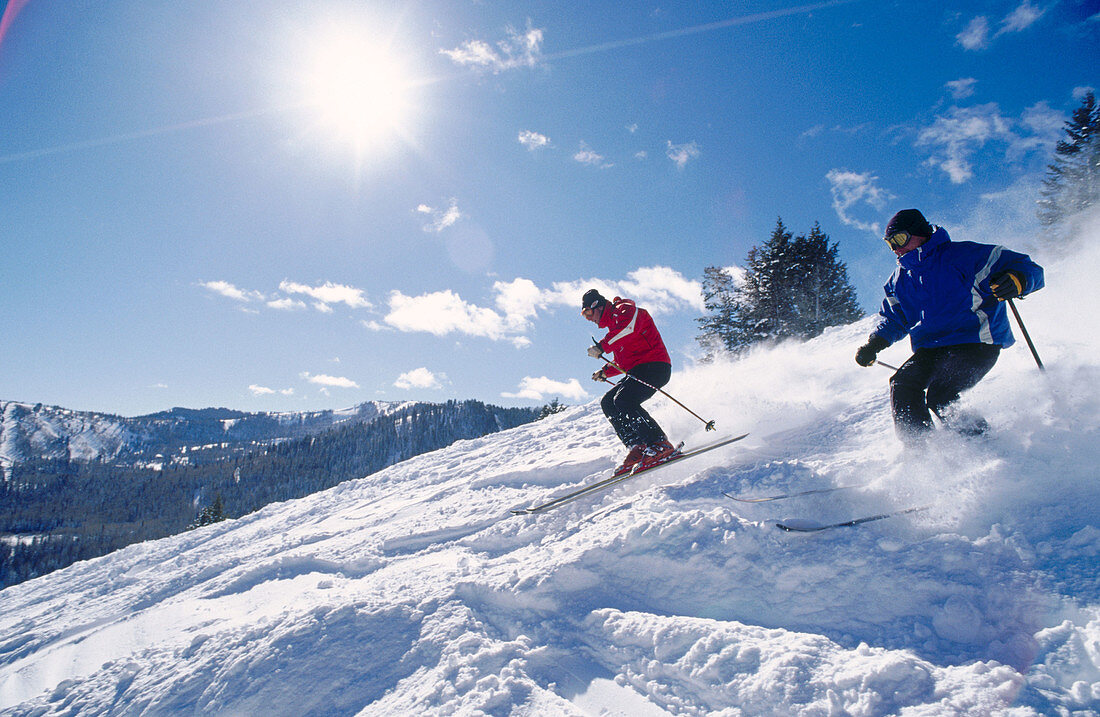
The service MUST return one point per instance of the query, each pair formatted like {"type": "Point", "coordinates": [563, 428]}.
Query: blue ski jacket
{"type": "Point", "coordinates": [940, 294]}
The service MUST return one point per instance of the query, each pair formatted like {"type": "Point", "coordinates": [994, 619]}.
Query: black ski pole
{"type": "Point", "coordinates": [886, 365]}
{"type": "Point", "coordinates": [1027, 337]}
{"type": "Point", "coordinates": [709, 424]}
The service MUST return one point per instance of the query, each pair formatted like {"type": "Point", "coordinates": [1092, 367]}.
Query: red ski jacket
{"type": "Point", "coordinates": [632, 338]}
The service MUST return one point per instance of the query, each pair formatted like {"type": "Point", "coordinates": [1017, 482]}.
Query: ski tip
{"type": "Point", "coordinates": [739, 499]}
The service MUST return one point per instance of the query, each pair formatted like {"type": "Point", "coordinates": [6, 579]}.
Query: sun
{"type": "Point", "coordinates": [358, 88]}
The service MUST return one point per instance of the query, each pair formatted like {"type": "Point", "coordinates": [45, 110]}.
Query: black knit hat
{"type": "Point", "coordinates": [592, 299]}
{"type": "Point", "coordinates": [909, 220]}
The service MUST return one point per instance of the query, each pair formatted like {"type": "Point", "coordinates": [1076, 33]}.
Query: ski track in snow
{"type": "Point", "coordinates": [414, 591]}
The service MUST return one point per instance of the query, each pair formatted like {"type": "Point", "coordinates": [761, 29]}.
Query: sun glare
{"type": "Point", "coordinates": [359, 89]}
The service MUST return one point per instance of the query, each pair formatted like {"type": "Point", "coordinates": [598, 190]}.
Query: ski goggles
{"type": "Point", "coordinates": [898, 239]}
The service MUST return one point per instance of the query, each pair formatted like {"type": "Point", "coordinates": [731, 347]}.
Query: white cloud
{"type": "Point", "coordinates": [518, 49]}
{"type": "Point", "coordinates": [656, 288]}
{"type": "Point", "coordinates": [519, 300]}
{"type": "Point", "coordinates": [659, 288]}
{"type": "Point", "coordinates": [329, 381]}
{"type": "Point", "coordinates": [518, 303]}
{"type": "Point", "coordinates": [258, 390]}
{"type": "Point", "coordinates": [286, 304]}
{"type": "Point", "coordinates": [976, 34]}
{"type": "Point", "coordinates": [441, 218]}
{"type": "Point", "coordinates": [326, 294]}
{"type": "Point", "coordinates": [955, 137]}
{"type": "Point", "coordinates": [961, 88]}
{"type": "Point", "coordinates": [419, 378]}
{"type": "Point", "coordinates": [1023, 17]}
{"type": "Point", "coordinates": [852, 189]}
{"type": "Point", "coordinates": [586, 155]}
{"type": "Point", "coordinates": [375, 326]}
{"type": "Point", "coordinates": [224, 288]}
{"type": "Point", "coordinates": [441, 313]}
{"type": "Point", "coordinates": [538, 389]}
{"type": "Point", "coordinates": [813, 132]}
{"type": "Point", "coordinates": [533, 140]}
{"type": "Point", "coordinates": [477, 53]}
{"type": "Point", "coordinates": [681, 154]}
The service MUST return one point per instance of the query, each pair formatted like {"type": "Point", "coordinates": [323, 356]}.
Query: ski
{"type": "Point", "coordinates": [782, 496]}
{"type": "Point", "coordinates": [615, 480]}
{"type": "Point", "coordinates": [800, 525]}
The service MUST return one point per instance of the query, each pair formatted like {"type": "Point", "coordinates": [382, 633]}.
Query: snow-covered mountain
{"type": "Point", "coordinates": [29, 432]}
{"type": "Point", "coordinates": [415, 591]}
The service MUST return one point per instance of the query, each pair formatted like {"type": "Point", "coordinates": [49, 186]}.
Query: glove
{"type": "Point", "coordinates": [595, 351]}
{"type": "Point", "coordinates": [1006, 285]}
{"type": "Point", "coordinates": [599, 376]}
{"type": "Point", "coordinates": [866, 354]}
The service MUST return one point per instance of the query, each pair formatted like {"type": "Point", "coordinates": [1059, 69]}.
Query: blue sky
{"type": "Point", "coordinates": [274, 205]}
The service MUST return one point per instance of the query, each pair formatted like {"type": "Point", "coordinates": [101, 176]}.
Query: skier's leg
{"type": "Point", "coordinates": [625, 412]}
{"type": "Point", "coordinates": [623, 429]}
{"type": "Point", "coordinates": [907, 399]}
{"type": "Point", "coordinates": [629, 402]}
{"type": "Point", "coordinates": [958, 369]}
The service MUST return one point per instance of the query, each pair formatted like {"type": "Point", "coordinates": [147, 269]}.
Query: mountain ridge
{"type": "Point", "coordinates": [44, 432]}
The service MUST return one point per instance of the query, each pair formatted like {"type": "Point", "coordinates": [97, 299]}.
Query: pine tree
{"type": "Point", "coordinates": [555, 406]}
{"type": "Point", "coordinates": [793, 287]}
{"type": "Point", "coordinates": [718, 328]}
{"type": "Point", "coordinates": [1072, 183]}
{"type": "Point", "coordinates": [213, 513]}
{"type": "Point", "coordinates": [820, 289]}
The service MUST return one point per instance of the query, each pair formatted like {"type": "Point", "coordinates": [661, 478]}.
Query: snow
{"type": "Point", "coordinates": [415, 591]}
{"type": "Point", "coordinates": [27, 430]}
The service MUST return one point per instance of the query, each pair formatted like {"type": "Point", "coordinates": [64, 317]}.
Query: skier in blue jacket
{"type": "Point", "coordinates": [948, 297]}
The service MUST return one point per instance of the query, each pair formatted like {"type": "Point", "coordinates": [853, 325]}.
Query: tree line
{"type": "Point", "coordinates": [59, 511]}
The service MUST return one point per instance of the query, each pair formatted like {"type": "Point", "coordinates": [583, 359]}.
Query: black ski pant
{"type": "Point", "coordinates": [932, 379]}
{"type": "Point", "coordinates": [623, 404]}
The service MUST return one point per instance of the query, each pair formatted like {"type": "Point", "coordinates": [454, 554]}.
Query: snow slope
{"type": "Point", "coordinates": [414, 591]}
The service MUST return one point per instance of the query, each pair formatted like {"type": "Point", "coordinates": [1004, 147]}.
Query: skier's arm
{"type": "Point", "coordinates": [1014, 274]}
{"type": "Point", "coordinates": [893, 323]}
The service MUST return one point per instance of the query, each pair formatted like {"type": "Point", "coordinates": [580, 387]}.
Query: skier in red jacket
{"type": "Point", "coordinates": [637, 348]}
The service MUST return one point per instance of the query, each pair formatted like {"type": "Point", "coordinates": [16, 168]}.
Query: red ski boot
{"type": "Point", "coordinates": [637, 453]}
{"type": "Point", "coordinates": [660, 452]}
